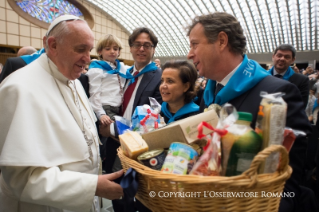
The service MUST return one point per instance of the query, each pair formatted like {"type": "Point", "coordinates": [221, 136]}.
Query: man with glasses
{"type": "Point", "coordinates": [145, 84]}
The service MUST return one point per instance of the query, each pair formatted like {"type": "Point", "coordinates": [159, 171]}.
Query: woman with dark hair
{"type": "Point", "coordinates": [178, 90]}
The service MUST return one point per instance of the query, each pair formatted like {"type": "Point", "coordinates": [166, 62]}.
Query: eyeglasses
{"type": "Point", "coordinates": [145, 46]}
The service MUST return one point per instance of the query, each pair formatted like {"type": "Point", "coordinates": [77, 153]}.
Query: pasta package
{"type": "Point", "coordinates": [271, 122]}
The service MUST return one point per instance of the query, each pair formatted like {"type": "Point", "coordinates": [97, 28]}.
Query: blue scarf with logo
{"type": "Point", "coordinates": [30, 58]}
{"type": "Point", "coordinates": [286, 76]}
{"type": "Point", "coordinates": [248, 74]}
{"type": "Point", "coordinates": [101, 64]}
{"type": "Point", "coordinates": [150, 67]}
{"type": "Point", "coordinates": [190, 107]}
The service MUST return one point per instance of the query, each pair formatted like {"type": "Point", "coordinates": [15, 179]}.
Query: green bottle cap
{"type": "Point", "coordinates": [245, 116]}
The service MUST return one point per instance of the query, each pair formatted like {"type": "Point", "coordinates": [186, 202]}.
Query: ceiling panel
{"type": "Point", "coordinates": [266, 23]}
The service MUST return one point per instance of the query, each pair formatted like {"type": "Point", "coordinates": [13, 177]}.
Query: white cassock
{"type": "Point", "coordinates": [47, 163]}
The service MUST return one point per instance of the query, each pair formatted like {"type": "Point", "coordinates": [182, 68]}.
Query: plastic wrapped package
{"type": "Point", "coordinates": [209, 164]}
{"type": "Point", "coordinates": [271, 122]}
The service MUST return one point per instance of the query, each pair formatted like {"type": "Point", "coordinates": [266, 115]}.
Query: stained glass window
{"type": "Point", "coordinates": [48, 10]}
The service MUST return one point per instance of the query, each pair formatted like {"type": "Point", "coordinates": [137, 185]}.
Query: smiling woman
{"type": "Point", "coordinates": [178, 90]}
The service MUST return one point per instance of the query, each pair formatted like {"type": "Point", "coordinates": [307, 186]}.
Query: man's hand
{"type": "Point", "coordinates": [105, 120]}
{"type": "Point", "coordinates": [107, 189]}
{"type": "Point", "coordinates": [310, 118]}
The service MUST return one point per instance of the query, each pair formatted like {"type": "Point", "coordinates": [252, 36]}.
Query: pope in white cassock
{"type": "Point", "coordinates": [49, 148]}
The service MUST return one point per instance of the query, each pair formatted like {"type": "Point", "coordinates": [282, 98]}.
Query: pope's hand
{"type": "Point", "coordinates": [108, 189]}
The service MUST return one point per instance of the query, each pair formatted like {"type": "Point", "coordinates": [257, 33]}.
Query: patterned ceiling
{"type": "Point", "coordinates": [266, 23]}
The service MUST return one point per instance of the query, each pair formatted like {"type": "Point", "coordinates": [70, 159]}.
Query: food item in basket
{"type": "Point", "coordinates": [289, 139]}
{"type": "Point", "coordinates": [209, 163]}
{"type": "Point", "coordinates": [260, 117]}
{"type": "Point", "coordinates": [180, 159]}
{"type": "Point", "coordinates": [132, 144]}
{"type": "Point", "coordinates": [144, 119]}
{"type": "Point", "coordinates": [153, 159]}
{"type": "Point", "coordinates": [273, 125]}
{"type": "Point", "coordinates": [199, 145]}
{"type": "Point", "coordinates": [239, 146]}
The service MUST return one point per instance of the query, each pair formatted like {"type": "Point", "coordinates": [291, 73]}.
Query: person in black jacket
{"type": "Point", "coordinates": [217, 46]}
{"type": "Point", "coordinates": [285, 55]}
{"type": "Point", "coordinates": [12, 64]}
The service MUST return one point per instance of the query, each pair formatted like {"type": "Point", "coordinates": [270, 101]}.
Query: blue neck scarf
{"type": "Point", "coordinates": [248, 74]}
{"type": "Point", "coordinates": [101, 64]}
{"type": "Point", "coordinates": [30, 58]}
{"type": "Point", "coordinates": [150, 67]}
{"type": "Point", "coordinates": [315, 105]}
{"type": "Point", "coordinates": [190, 107]}
{"type": "Point", "coordinates": [286, 76]}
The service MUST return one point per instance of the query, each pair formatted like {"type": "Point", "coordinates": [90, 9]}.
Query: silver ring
{"type": "Point", "coordinates": [121, 197]}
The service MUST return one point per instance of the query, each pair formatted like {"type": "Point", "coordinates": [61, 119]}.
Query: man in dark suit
{"type": "Point", "coordinates": [12, 64]}
{"type": "Point", "coordinates": [217, 49]}
{"type": "Point", "coordinates": [285, 55]}
{"type": "Point", "coordinates": [146, 84]}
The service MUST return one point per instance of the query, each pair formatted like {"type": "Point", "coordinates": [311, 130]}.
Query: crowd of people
{"type": "Point", "coordinates": [52, 124]}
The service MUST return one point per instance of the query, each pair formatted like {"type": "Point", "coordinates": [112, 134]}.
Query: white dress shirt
{"type": "Point", "coordinates": [105, 89]}
{"type": "Point", "coordinates": [128, 112]}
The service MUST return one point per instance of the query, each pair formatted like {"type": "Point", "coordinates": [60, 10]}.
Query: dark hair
{"type": "Point", "coordinates": [286, 47]}
{"type": "Point", "coordinates": [187, 73]}
{"type": "Point", "coordinates": [217, 22]}
{"type": "Point", "coordinates": [139, 31]}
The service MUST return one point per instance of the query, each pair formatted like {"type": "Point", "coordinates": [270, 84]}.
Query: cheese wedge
{"type": "Point", "coordinates": [133, 144]}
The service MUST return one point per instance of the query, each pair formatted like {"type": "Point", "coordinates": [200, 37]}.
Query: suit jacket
{"type": "Point", "coordinates": [149, 87]}
{"type": "Point", "coordinates": [84, 79]}
{"type": "Point", "coordinates": [12, 64]}
{"type": "Point", "coordinates": [296, 119]}
{"type": "Point", "coordinates": [302, 83]}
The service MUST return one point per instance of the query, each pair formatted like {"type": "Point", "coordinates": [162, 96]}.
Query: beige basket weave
{"type": "Point", "coordinates": [163, 187]}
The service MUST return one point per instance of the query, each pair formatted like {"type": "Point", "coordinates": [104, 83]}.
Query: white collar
{"type": "Point", "coordinates": [113, 66]}
{"type": "Point", "coordinates": [43, 59]}
{"type": "Point", "coordinates": [135, 70]}
{"type": "Point", "coordinates": [282, 74]}
{"type": "Point", "coordinates": [227, 78]}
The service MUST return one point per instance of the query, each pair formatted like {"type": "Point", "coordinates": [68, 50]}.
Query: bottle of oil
{"type": "Point", "coordinates": [245, 143]}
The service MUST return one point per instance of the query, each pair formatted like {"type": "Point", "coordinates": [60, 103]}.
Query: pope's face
{"type": "Point", "coordinates": [73, 50]}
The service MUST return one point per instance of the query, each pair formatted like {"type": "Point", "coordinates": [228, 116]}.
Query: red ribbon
{"type": "Point", "coordinates": [142, 122]}
{"type": "Point", "coordinates": [201, 135]}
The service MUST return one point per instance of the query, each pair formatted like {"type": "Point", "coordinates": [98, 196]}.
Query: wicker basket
{"type": "Point", "coordinates": [191, 193]}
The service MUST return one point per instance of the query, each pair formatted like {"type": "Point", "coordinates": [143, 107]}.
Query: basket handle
{"type": "Point", "coordinates": [261, 157]}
